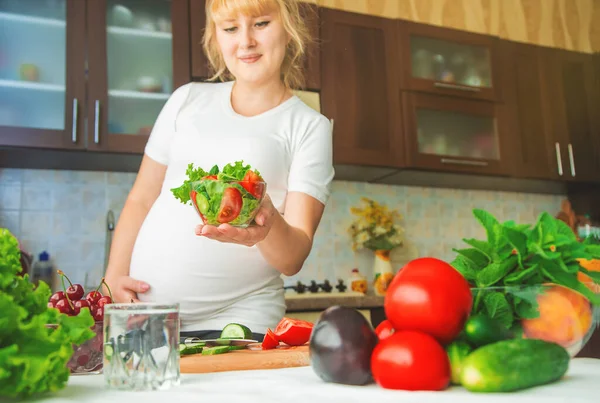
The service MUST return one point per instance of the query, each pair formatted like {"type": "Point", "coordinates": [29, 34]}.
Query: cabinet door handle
{"type": "Point", "coordinates": [571, 159]}
{"type": "Point", "coordinates": [97, 123]}
{"type": "Point", "coordinates": [558, 159]}
{"type": "Point", "coordinates": [464, 162]}
{"type": "Point", "coordinates": [74, 122]}
{"type": "Point", "coordinates": [456, 87]}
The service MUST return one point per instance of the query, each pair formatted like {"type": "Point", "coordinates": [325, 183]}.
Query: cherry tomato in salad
{"type": "Point", "coordinates": [210, 177]}
{"type": "Point", "coordinates": [293, 332]}
{"type": "Point", "coordinates": [410, 360]}
{"type": "Point", "coordinates": [384, 329]}
{"type": "Point", "coordinates": [231, 205]}
{"type": "Point", "coordinates": [253, 183]}
{"type": "Point", "coordinates": [270, 341]}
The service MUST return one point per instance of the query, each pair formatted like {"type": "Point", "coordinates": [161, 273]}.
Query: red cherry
{"type": "Point", "coordinates": [75, 292]}
{"type": "Point", "coordinates": [80, 303]}
{"type": "Point", "coordinates": [50, 304]}
{"type": "Point", "coordinates": [98, 313]}
{"type": "Point", "coordinates": [92, 297]}
{"type": "Point", "coordinates": [103, 301]}
{"type": "Point", "coordinates": [83, 359]}
{"type": "Point", "coordinates": [57, 296]}
{"type": "Point", "coordinates": [63, 306]}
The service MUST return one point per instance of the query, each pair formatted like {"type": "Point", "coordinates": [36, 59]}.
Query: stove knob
{"type": "Point", "coordinates": [341, 286]}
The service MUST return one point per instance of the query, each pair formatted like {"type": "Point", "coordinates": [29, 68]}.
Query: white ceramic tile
{"type": "Point", "coordinates": [36, 225]}
{"type": "Point", "coordinates": [10, 220]}
{"type": "Point", "coordinates": [65, 224]}
{"type": "Point", "coordinates": [67, 198]}
{"type": "Point", "coordinates": [38, 176]}
{"type": "Point", "coordinates": [37, 197]}
{"type": "Point", "coordinates": [10, 176]}
{"type": "Point", "coordinates": [10, 196]}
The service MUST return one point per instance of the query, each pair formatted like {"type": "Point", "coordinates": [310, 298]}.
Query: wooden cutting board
{"type": "Point", "coordinates": [251, 358]}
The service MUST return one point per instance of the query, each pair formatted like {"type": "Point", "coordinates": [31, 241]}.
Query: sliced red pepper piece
{"type": "Point", "coordinates": [270, 341]}
{"type": "Point", "coordinates": [293, 332]}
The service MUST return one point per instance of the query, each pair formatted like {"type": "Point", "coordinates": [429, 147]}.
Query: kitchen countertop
{"type": "Point", "coordinates": [320, 303]}
{"type": "Point", "coordinates": [301, 385]}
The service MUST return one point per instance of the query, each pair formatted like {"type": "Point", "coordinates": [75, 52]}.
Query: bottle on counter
{"type": "Point", "coordinates": [358, 282]}
{"type": "Point", "coordinates": [43, 270]}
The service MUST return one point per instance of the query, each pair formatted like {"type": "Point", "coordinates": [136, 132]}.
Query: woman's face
{"type": "Point", "coordinates": [253, 47]}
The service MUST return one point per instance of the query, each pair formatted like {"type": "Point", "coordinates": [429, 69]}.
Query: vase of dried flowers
{"type": "Point", "coordinates": [376, 228]}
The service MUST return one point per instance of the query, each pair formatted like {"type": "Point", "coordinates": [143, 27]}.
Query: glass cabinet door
{"type": "Point", "coordinates": [450, 63]}
{"type": "Point", "coordinates": [450, 134]}
{"type": "Point", "coordinates": [457, 134]}
{"type": "Point", "coordinates": [33, 63]}
{"type": "Point", "coordinates": [139, 63]}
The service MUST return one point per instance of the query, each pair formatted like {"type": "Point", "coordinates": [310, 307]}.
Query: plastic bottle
{"type": "Point", "coordinates": [43, 269]}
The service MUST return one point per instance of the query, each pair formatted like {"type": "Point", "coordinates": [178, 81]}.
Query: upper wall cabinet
{"type": "Point", "coordinates": [359, 88]}
{"type": "Point", "coordinates": [312, 64]}
{"type": "Point", "coordinates": [112, 64]}
{"type": "Point", "coordinates": [448, 62]}
{"type": "Point", "coordinates": [526, 91]}
{"type": "Point", "coordinates": [42, 74]}
{"type": "Point", "coordinates": [572, 113]}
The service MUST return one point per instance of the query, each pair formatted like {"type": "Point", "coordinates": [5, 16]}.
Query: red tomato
{"type": "Point", "coordinates": [270, 341]}
{"type": "Point", "coordinates": [231, 205]}
{"type": "Point", "coordinates": [384, 330]}
{"type": "Point", "coordinates": [253, 184]}
{"type": "Point", "coordinates": [210, 177]}
{"type": "Point", "coordinates": [430, 296]}
{"type": "Point", "coordinates": [410, 361]}
{"type": "Point", "coordinates": [293, 332]}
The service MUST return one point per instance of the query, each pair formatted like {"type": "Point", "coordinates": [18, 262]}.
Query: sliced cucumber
{"type": "Point", "coordinates": [202, 203]}
{"type": "Point", "coordinates": [216, 350]}
{"type": "Point", "coordinates": [187, 349]}
{"type": "Point", "coordinates": [236, 331]}
{"type": "Point", "coordinates": [237, 347]}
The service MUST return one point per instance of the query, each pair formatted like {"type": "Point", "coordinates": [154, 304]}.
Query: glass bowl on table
{"type": "Point", "coordinates": [549, 312]}
{"type": "Point", "coordinates": [87, 357]}
{"type": "Point", "coordinates": [233, 202]}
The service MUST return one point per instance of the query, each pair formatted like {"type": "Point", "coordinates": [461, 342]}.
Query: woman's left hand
{"type": "Point", "coordinates": [250, 236]}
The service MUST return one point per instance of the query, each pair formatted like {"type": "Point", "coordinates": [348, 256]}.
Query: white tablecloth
{"type": "Point", "coordinates": [580, 385]}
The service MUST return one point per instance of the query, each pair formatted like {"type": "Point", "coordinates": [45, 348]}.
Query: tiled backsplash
{"type": "Point", "coordinates": [64, 212]}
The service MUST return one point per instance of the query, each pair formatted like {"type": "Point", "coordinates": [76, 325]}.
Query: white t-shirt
{"type": "Point", "coordinates": [218, 283]}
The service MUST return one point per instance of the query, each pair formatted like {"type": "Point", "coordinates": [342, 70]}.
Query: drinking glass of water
{"type": "Point", "coordinates": [141, 346]}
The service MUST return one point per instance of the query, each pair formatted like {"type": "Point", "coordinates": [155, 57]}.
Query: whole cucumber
{"type": "Point", "coordinates": [481, 330]}
{"type": "Point", "coordinates": [457, 351]}
{"type": "Point", "coordinates": [511, 365]}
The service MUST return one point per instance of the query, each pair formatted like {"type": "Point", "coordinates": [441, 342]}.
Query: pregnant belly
{"type": "Point", "coordinates": [194, 271]}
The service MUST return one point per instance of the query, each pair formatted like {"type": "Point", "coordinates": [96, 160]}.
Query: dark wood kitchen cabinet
{"type": "Point", "coordinates": [359, 88]}
{"type": "Point", "coordinates": [200, 69]}
{"type": "Point", "coordinates": [98, 79]}
{"type": "Point", "coordinates": [571, 113]}
{"type": "Point", "coordinates": [525, 92]}
{"type": "Point", "coordinates": [446, 61]}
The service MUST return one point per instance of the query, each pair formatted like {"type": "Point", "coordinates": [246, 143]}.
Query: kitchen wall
{"type": "Point", "coordinates": [556, 23]}
{"type": "Point", "coordinates": [64, 212]}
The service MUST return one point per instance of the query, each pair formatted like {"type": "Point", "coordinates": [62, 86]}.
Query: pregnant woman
{"type": "Point", "coordinates": [223, 274]}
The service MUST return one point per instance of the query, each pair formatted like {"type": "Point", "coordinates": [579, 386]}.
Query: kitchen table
{"type": "Point", "coordinates": [290, 385]}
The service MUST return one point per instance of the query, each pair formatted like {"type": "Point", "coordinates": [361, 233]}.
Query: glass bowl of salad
{"type": "Point", "coordinates": [232, 202]}
{"type": "Point", "coordinates": [231, 195]}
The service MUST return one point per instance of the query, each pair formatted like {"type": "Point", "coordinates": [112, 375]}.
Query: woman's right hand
{"type": "Point", "coordinates": [125, 289]}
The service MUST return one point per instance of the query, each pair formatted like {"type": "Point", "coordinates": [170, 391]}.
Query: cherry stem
{"type": "Point", "coordinates": [107, 287]}
{"type": "Point", "coordinates": [65, 276]}
{"type": "Point", "coordinates": [62, 279]}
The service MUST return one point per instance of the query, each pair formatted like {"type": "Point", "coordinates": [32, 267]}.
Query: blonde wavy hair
{"type": "Point", "coordinates": [292, 74]}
